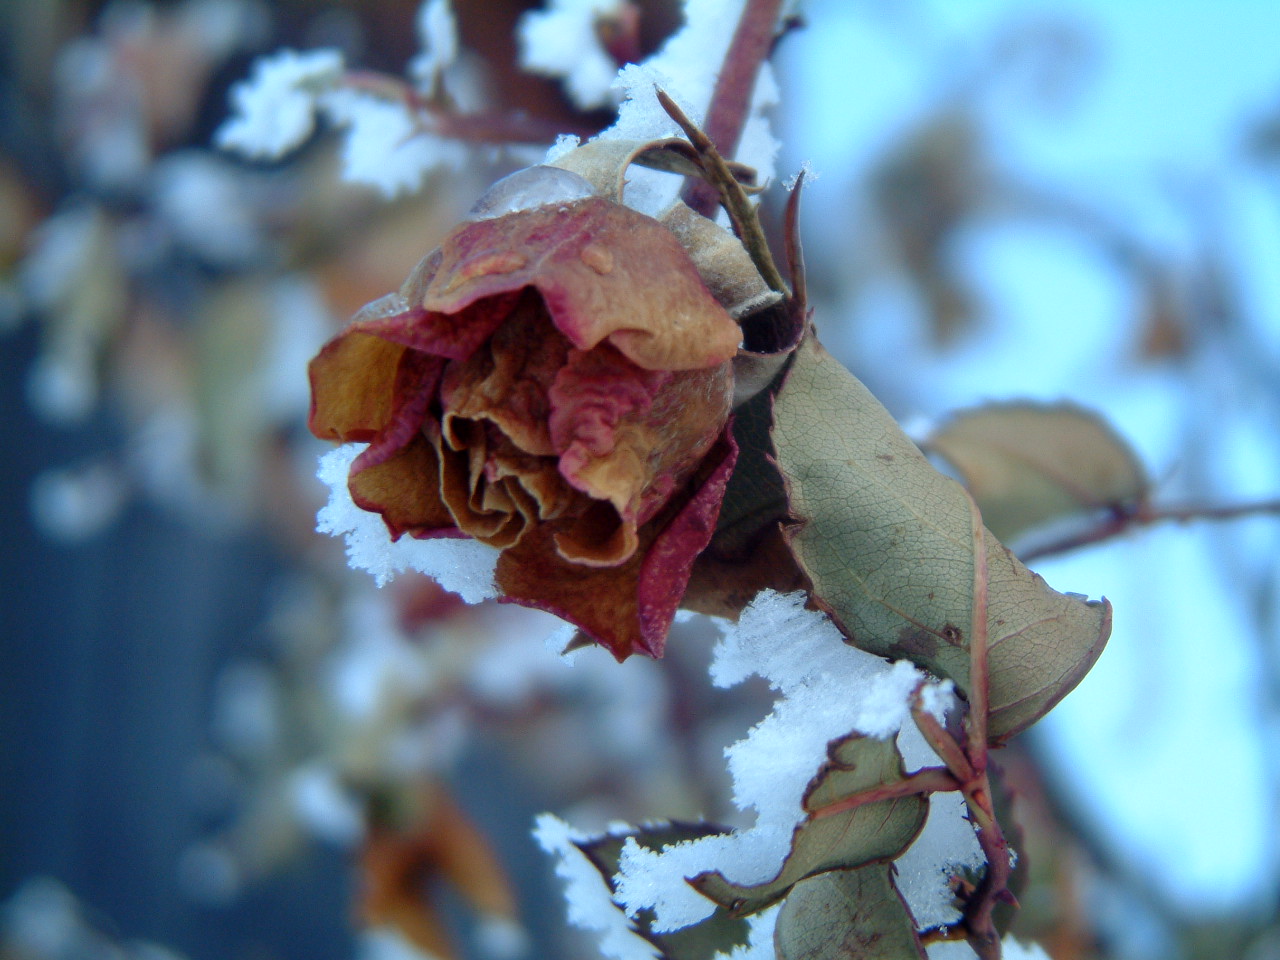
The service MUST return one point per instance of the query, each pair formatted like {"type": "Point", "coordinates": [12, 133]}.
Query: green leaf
{"type": "Point", "coordinates": [869, 833]}
{"type": "Point", "coordinates": [1027, 464]}
{"type": "Point", "coordinates": [719, 933]}
{"type": "Point", "coordinates": [887, 543]}
{"type": "Point", "coordinates": [847, 914]}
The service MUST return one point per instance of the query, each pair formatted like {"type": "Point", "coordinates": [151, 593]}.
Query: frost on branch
{"type": "Point", "coordinates": [389, 144]}
{"type": "Point", "coordinates": [438, 35]}
{"type": "Point", "coordinates": [564, 41]}
{"type": "Point", "coordinates": [274, 110]}
{"type": "Point", "coordinates": [831, 697]}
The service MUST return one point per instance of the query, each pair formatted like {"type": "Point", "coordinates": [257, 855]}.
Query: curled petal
{"type": "Point", "coordinates": [405, 489]}
{"type": "Point", "coordinates": [507, 382]}
{"type": "Point", "coordinates": [604, 271]}
{"type": "Point", "coordinates": [629, 438]}
{"type": "Point", "coordinates": [626, 608]}
{"type": "Point", "coordinates": [353, 387]}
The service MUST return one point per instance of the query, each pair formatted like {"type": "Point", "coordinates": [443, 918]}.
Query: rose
{"type": "Point", "coordinates": [555, 382]}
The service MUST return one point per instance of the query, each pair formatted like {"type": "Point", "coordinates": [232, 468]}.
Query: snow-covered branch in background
{"type": "Point", "coordinates": [392, 140]}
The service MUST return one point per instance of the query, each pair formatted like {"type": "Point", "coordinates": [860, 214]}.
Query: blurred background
{"type": "Point", "coordinates": [217, 741]}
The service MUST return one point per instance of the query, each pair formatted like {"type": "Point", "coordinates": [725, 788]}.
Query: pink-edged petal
{"type": "Point", "coordinates": [452, 335]}
{"type": "Point", "coordinates": [626, 608]}
{"type": "Point", "coordinates": [669, 561]}
{"type": "Point", "coordinates": [414, 388]}
{"type": "Point", "coordinates": [604, 271]}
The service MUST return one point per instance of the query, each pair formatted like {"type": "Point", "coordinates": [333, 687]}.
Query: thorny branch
{"type": "Point", "coordinates": [435, 115]}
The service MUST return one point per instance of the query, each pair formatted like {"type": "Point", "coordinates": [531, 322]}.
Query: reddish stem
{"type": "Point", "coordinates": [1145, 515]}
{"type": "Point", "coordinates": [979, 682]}
{"type": "Point", "coordinates": [924, 781]}
{"type": "Point", "coordinates": [436, 117]}
{"type": "Point", "coordinates": [731, 99]}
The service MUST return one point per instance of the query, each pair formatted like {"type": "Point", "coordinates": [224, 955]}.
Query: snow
{"type": "Point", "coordinates": [589, 904]}
{"type": "Point", "coordinates": [759, 945]}
{"type": "Point", "coordinates": [324, 805]}
{"type": "Point", "coordinates": [826, 689]}
{"type": "Point", "coordinates": [945, 845]}
{"type": "Point", "coordinates": [686, 68]}
{"type": "Point", "coordinates": [464, 567]}
{"type": "Point", "coordinates": [202, 199]}
{"type": "Point", "coordinates": [438, 37]}
{"type": "Point", "coordinates": [562, 41]}
{"type": "Point", "coordinates": [384, 146]}
{"type": "Point", "coordinates": [274, 110]}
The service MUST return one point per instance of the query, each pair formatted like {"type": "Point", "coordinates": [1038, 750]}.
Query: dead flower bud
{"type": "Point", "coordinates": [555, 380]}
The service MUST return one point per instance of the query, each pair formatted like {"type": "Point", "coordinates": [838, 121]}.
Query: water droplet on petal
{"type": "Point", "coordinates": [388, 306]}
{"type": "Point", "coordinates": [597, 257]}
{"type": "Point", "coordinates": [530, 188]}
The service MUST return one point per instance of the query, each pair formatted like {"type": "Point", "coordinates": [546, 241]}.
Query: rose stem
{"type": "Point", "coordinates": [1122, 519]}
{"type": "Point", "coordinates": [983, 936]}
{"type": "Point", "coordinates": [731, 99]}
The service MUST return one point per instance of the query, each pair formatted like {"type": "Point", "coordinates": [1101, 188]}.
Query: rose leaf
{"type": "Point", "coordinates": [869, 833]}
{"type": "Point", "coordinates": [847, 913]}
{"type": "Point", "coordinates": [887, 543]}
{"type": "Point", "coordinates": [1027, 464]}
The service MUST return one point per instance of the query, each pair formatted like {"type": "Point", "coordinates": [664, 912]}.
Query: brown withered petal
{"type": "Point", "coordinates": [554, 382]}
{"type": "Point", "coordinates": [352, 387]}
{"type": "Point", "coordinates": [604, 271]}
{"type": "Point", "coordinates": [628, 608]}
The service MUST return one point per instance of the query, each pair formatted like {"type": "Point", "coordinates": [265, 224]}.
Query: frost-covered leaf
{"type": "Point", "coordinates": [1027, 463]}
{"type": "Point", "coordinates": [719, 933]}
{"type": "Point", "coordinates": [846, 914]}
{"type": "Point", "coordinates": [887, 542]}
{"type": "Point", "coordinates": [869, 833]}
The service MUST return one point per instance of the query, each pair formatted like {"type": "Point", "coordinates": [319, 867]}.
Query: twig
{"type": "Point", "coordinates": [726, 115]}
{"type": "Point", "coordinates": [994, 887]}
{"type": "Point", "coordinates": [434, 116]}
{"type": "Point", "coordinates": [1121, 520]}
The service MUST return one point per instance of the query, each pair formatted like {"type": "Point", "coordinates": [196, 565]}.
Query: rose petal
{"type": "Point", "coordinates": [629, 438]}
{"type": "Point", "coordinates": [604, 271]}
{"type": "Point", "coordinates": [669, 562]}
{"type": "Point", "coordinates": [626, 608]}
{"type": "Point", "coordinates": [452, 335]}
{"type": "Point", "coordinates": [507, 382]}
{"type": "Point", "coordinates": [480, 509]}
{"type": "Point", "coordinates": [404, 489]}
{"type": "Point", "coordinates": [352, 387]}
{"type": "Point", "coordinates": [414, 387]}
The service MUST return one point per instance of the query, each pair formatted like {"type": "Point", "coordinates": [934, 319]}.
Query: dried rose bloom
{"type": "Point", "coordinates": [556, 382]}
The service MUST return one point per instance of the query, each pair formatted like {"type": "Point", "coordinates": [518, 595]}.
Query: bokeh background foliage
{"type": "Point", "coordinates": [1058, 203]}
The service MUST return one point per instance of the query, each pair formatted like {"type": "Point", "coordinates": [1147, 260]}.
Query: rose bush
{"type": "Point", "coordinates": [555, 382]}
